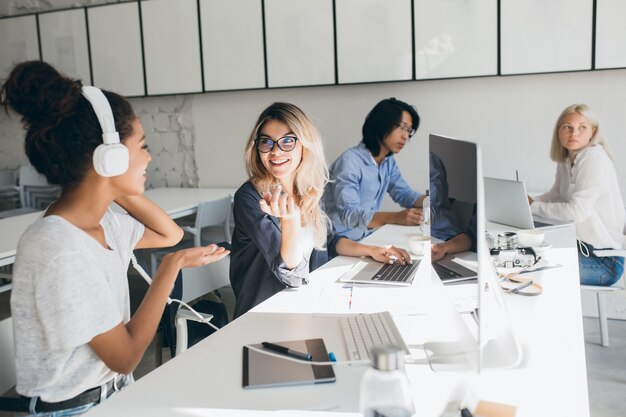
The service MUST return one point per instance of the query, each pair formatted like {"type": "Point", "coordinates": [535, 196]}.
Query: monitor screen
{"type": "Point", "coordinates": [457, 206]}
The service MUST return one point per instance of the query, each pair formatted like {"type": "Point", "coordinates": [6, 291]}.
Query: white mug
{"type": "Point", "coordinates": [418, 244]}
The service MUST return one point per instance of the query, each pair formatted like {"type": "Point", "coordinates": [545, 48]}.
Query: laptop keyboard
{"type": "Point", "coordinates": [445, 272]}
{"type": "Point", "coordinates": [362, 332]}
{"type": "Point", "coordinates": [540, 224]}
{"type": "Point", "coordinates": [395, 272]}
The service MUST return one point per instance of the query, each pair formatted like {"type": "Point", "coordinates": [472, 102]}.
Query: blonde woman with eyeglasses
{"type": "Point", "coordinates": [281, 232]}
{"type": "Point", "coordinates": [587, 193]}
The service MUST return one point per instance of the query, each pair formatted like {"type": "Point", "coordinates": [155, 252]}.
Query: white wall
{"type": "Point", "coordinates": [511, 117]}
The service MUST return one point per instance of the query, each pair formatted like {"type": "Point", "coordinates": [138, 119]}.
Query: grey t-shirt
{"type": "Point", "coordinates": [67, 289]}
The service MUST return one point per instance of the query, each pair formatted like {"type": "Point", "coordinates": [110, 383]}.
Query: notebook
{"type": "Point", "coordinates": [368, 271]}
{"type": "Point", "coordinates": [506, 202]}
{"type": "Point", "coordinates": [260, 370]}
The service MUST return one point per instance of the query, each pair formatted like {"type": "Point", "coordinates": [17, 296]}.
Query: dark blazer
{"type": "Point", "coordinates": [257, 271]}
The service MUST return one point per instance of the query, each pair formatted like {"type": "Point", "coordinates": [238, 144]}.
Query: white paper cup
{"type": "Point", "coordinates": [418, 244]}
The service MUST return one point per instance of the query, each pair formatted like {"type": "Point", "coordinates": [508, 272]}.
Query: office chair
{"type": "Point", "coordinates": [9, 199]}
{"type": "Point", "coordinates": [602, 291]}
{"type": "Point", "coordinates": [199, 281]}
{"type": "Point", "coordinates": [39, 197]}
{"type": "Point", "coordinates": [210, 213]}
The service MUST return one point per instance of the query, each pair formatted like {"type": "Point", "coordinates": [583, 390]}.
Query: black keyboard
{"type": "Point", "coordinates": [540, 224]}
{"type": "Point", "coordinates": [445, 272]}
{"type": "Point", "coordinates": [395, 272]}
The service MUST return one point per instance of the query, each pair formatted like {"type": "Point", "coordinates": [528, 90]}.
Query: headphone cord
{"type": "Point", "coordinates": [145, 276]}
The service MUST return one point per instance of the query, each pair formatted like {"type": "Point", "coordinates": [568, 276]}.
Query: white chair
{"type": "Point", "coordinates": [199, 281]}
{"type": "Point", "coordinates": [210, 213]}
{"type": "Point", "coordinates": [602, 291]}
{"type": "Point", "coordinates": [196, 283]}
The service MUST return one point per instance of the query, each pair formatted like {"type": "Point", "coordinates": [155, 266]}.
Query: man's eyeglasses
{"type": "Point", "coordinates": [285, 144]}
{"type": "Point", "coordinates": [408, 129]}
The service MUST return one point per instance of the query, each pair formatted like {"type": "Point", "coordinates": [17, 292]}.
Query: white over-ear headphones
{"type": "Point", "coordinates": [110, 158]}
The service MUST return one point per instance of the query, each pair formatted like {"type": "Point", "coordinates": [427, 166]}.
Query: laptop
{"type": "Point", "coordinates": [506, 202]}
{"type": "Point", "coordinates": [450, 271]}
{"type": "Point", "coordinates": [368, 271]}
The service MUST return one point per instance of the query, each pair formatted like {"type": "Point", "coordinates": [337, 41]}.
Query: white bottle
{"type": "Point", "coordinates": [426, 214]}
{"type": "Point", "coordinates": [385, 389]}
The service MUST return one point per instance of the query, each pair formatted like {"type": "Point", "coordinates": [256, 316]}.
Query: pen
{"type": "Point", "coordinates": [283, 349]}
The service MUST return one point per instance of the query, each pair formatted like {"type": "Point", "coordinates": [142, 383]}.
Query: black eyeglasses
{"type": "Point", "coordinates": [408, 129]}
{"type": "Point", "coordinates": [285, 144]}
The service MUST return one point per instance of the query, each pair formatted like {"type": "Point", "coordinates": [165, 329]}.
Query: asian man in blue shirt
{"type": "Point", "coordinates": [364, 173]}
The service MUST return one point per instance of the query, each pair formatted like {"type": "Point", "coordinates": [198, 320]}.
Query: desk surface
{"type": "Point", "coordinates": [177, 202]}
{"type": "Point", "coordinates": [206, 379]}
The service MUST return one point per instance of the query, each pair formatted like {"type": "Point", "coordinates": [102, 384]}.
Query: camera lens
{"type": "Point", "coordinates": [508, 240]}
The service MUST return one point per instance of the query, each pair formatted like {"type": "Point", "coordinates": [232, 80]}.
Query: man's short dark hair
{"type": "Point", "coordinates": [383, 119]}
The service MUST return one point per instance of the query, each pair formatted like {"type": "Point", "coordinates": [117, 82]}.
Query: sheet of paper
{"type": "Point", "coordinates": [463, 296]}
{"type": "Point", "coordinates": [372, 298]}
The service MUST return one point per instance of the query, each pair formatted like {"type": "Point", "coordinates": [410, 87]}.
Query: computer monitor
{"type": "Point", "coordinates": [457, 199]}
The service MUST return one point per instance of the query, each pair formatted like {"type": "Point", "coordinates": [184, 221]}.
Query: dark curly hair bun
{"type": "Point", "coordinates": [62, 129]}
{"type": "Point", "coordinates": [41, 94]}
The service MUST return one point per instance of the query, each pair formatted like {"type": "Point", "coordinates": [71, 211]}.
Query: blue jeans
{"type": "Point", "coordinates": [123, 381]}
{"type": "Point", "coordinates": [596, 270]}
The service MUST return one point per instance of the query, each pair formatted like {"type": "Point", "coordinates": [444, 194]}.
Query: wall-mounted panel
{"type": "Point", "coordinates": [116, 55]}
{"type": "Point", "coordinates": [374, 40]}
{"type": "Point", "coordinates": [611, 34]}
{"type": "Point", "coordinates": [545, 36]}
{"type": "Point", "coordinates": [300, 42]}
{"type": "Point", "coordinates": [456, 38]}
{"type": "Point", "coordinates": [64, 42]}
{"type": "Point", "coordinates": [232, 53]}
{"type": "Point", "coordinates": [171, 46]}
{"type": "Point", "coordinates": [18, 42]}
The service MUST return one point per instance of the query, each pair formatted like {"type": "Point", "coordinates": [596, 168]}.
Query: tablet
{"type": "Point", "coordinates": [261, 370]}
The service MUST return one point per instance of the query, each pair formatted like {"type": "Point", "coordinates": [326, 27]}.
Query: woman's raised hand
{"type": "Point", "coordinates": [279, 204]}
{"type": "Point", "coordinates": [200, 255]}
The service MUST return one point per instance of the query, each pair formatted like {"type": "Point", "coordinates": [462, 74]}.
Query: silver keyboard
{"type": "Point", "coordinates": [361, 332]}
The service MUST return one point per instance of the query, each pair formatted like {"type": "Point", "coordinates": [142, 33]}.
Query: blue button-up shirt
{"type": "Point", "coordinates": [357, 188]}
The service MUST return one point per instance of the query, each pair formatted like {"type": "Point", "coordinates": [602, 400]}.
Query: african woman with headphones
{"type": "Point", "coordinates": [75, 341]}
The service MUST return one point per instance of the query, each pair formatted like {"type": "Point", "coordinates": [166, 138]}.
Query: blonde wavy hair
{"type": "Point", "coordinates": [311, 175]}
{"type": "Point", "coordinates": [557, 152]}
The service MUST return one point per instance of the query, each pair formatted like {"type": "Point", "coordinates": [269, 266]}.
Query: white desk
{"type": "Point", "coordinates": [180, 202]}
{"type": "Point", "coordinates": [206, 380]}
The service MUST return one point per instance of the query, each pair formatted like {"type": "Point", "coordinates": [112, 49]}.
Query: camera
{"type": "Point", "coordinates": [514, 258]}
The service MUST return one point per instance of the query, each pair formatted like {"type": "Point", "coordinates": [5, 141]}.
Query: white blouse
{"type": "Point", "coordinates": [587, 193]}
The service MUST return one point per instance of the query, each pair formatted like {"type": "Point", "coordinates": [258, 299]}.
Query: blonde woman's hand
{"type": "Point", "coordinates": [279, 204]}
{"type": "Point", "coordinates": [390, 254]}
{"type": "Point", "coordinates": [197, 256]}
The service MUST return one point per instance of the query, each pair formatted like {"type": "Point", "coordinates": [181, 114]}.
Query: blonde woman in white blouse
{"type": "Point", "coordinates": [586, 192]}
